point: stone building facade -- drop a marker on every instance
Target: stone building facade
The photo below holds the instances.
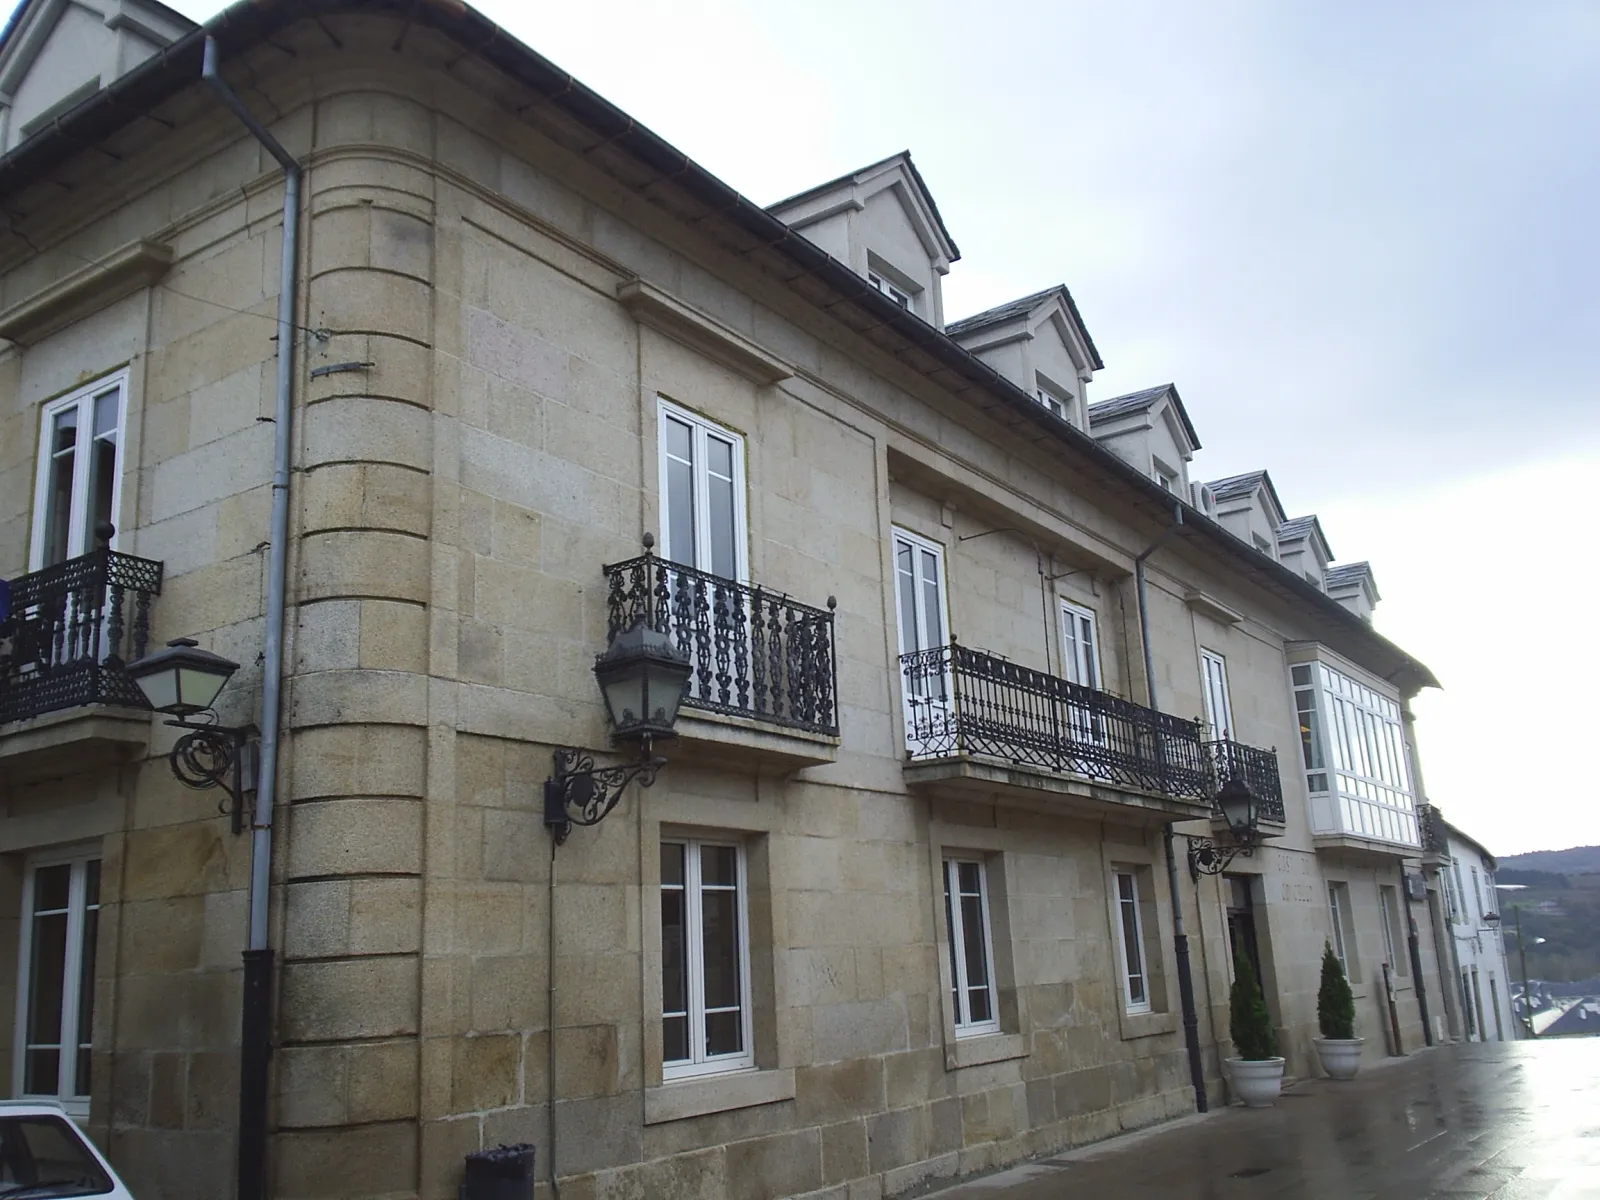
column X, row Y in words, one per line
column 898, row 907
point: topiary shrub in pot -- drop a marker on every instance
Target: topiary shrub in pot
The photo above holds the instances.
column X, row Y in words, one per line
column 1257, row 1071
column 1339, row 1048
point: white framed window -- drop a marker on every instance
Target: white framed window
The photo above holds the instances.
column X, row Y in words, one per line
column 1053, row 403
column 1263, row 545
column 1080, row 645
column 55, row 978
column 1130, row 943
column 79, row 479
column 966, row 913
column 705, row 959
column 1386, row 919
column 1449, row 895
column 703, row 518
column 919, row 591
column 1214, row 684
column 1338, row 914
column 898, row 295
column 1311, row 741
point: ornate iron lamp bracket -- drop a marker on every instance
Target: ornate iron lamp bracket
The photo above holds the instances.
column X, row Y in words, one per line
column 1208, row 857
column 217, row 756
column 581, row 794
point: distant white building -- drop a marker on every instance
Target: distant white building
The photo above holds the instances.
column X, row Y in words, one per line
column 1482, row 977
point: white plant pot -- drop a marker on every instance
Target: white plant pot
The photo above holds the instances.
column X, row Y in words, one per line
column 1256, row 1081
column 1341, row 1057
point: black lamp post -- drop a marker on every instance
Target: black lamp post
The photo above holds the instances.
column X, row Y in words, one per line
column 183, row 681
column 1241, row 812
column 642, row 677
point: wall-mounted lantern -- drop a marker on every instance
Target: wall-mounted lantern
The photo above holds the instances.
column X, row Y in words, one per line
column 1240, row 810
column 183, row 682
column 642, row 677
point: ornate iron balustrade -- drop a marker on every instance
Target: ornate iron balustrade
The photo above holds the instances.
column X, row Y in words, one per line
column 961, row 701
column 1434, row 838
column 71, row 628
column 1256, row 767
column 755, row 653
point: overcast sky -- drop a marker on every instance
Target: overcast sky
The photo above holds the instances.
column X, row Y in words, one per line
column 1360, row 236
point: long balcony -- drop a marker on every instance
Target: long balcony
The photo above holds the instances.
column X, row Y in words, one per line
column 1257, row 768
column 1039, row 732
column 67, row 631
column 764, row 682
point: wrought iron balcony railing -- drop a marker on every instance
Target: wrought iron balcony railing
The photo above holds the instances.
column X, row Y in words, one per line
column 70, row 629
column 1434, row 838
column 961, row 701
column 1257, row 768
column 755, row 653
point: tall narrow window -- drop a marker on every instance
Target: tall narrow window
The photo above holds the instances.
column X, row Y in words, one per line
column 1080, row 646
column 55, row 1021
column 1130, row 941
column 1386, row 911
column 79, row 472
column 919, row 589
column 705, row 959
column 1311, row 751
column 1338, row 908
column 1214, row 680
column 702, row 494
column 966, row 909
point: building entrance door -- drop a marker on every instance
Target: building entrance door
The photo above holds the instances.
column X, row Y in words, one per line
column 1242, row 922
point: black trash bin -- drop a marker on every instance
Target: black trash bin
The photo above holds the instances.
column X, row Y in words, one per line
column 504, row 1173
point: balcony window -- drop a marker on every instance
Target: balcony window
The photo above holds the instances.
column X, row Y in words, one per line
column 79, row 478
column 705, row 959
column 1214, row 690
column 60, row 926
column 966, row 908
column 702, row 493
column 1305, row 702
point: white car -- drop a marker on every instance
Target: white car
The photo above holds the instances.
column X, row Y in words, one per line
column 43, row 1155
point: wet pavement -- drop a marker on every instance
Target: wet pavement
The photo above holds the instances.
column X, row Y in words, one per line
column 1507, row 1120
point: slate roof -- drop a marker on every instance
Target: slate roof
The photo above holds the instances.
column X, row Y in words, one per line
column 1011, row 310
column 1119, row 406
column 1296, row 527
column 1235, row 486
column 916, row 176
column 1349, row 573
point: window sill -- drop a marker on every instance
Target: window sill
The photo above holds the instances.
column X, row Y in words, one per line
column 679, row 1099
column 1147, row 1024
column 984, row 1048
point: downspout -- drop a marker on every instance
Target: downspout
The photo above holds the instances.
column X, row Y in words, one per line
column 255, row 1041
column 1180, row 936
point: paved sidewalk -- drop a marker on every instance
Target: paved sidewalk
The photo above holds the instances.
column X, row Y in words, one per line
column 1500, row 1120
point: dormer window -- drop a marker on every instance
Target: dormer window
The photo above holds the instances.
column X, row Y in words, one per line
column 1051, row 401
column 1167, row 482
column 1263, row 545
column 900, row 297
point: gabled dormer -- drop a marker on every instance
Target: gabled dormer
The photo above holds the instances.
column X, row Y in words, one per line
column 1248, row 507
column 882, row 223
column 1354, row 587
column 1040, row 344
column 58, row 53
column 1152, row 431
column 1303, row 548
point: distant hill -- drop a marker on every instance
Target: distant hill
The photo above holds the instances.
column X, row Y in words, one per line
column 1580, row 860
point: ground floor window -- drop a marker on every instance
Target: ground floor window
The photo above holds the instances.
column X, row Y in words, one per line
column 1130, row 938
column 705, row 959
column 55, row 1016
column 966, row 910
column 1343, row 928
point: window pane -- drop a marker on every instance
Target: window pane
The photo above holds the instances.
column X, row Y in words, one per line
column 85, row 1023
column 931, row 600
column 48, row 966
column 58, row 495
column 724, row 535
column 973, row 933
column 680, row 516
column 674, row 968
column 724, row 1033
column 908, row 599
column 43, row 1073
column 675, row 1039
column 953, row 926
column 721, row 947
column 51, row 887
column 672, row 863
column 102, row 486
column 719, row 866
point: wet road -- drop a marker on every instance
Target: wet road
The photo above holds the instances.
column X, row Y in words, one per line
column 1507, row 1120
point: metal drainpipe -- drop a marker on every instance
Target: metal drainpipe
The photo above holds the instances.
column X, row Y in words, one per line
column 1180, row 936
column 255, row 1041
